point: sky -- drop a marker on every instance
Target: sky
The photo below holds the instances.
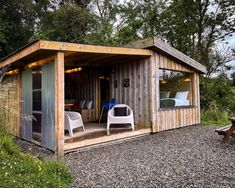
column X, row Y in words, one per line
column 231, row 44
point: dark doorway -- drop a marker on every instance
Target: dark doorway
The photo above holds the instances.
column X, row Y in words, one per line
column 104, row 88
column 104, row 92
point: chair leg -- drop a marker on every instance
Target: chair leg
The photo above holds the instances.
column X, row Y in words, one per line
column 83, row 128
column 71, row 132
column 101, row 114
column 133, row 126
column 108, row 126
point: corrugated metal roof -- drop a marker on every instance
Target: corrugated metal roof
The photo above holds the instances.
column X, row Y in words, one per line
column 19, row 49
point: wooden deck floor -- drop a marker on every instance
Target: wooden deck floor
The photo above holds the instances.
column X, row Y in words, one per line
column 96, row 134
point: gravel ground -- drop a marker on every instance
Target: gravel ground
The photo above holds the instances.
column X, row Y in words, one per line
column 186, row 157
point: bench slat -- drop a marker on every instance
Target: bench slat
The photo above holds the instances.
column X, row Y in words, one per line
column 223, row 130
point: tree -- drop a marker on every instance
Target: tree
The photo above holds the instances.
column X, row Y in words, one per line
column 105, row 14
column 68, row 23
column 194, row 26
column 16, row 24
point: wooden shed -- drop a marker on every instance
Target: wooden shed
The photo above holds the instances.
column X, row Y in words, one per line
column 158, row 82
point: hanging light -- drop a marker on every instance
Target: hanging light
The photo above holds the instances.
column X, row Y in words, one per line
column 12, row 72
column 187, row 80
column 73, row 70
column 163, row 81
column 35, row 64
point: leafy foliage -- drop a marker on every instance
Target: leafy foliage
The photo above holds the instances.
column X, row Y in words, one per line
column 69, row 23
column 214, row 116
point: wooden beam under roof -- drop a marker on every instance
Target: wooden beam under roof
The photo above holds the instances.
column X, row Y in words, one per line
column 64, row 46
column 20, row 54
column 41, row 47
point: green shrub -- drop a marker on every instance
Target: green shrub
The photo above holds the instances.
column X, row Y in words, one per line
column 22, row 170
column 214, row 116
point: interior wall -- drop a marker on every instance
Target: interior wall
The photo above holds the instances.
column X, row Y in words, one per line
column 81, row 86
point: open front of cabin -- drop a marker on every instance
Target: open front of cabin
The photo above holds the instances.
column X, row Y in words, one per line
column 54, row 77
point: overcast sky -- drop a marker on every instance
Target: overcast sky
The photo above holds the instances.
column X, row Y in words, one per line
column 231, row 44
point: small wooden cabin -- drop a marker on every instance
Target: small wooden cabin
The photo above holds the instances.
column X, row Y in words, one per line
column 158, row 82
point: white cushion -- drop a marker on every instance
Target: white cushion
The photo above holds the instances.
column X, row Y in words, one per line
column 164, row 94
column 81, row 104
column 182, row 95
column 88, row 104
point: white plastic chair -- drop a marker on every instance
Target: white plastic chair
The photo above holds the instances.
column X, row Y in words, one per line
column 72, row 120
column 129, row 119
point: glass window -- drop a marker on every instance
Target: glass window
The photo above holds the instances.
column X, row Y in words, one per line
column 37, row 89
column 175, row 88
column 37, row 103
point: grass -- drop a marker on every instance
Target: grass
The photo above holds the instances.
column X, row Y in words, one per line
column 23, row 170
column 214, row 117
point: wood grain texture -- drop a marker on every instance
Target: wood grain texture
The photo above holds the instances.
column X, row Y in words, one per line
column 170, row 64
column 59, row 103
column 20, row 54
column 105, row 139
column 19, row 123
column 154, row 95
column 137, row 94
column 175, row 118
column 162, row 47
column 180, row 117
column 74, row 47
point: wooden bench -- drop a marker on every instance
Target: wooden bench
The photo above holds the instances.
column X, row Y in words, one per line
column 227, row 131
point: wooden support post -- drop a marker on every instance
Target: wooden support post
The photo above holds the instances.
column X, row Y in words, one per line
column 196, row 95
column 59, row 103
column 19, row 123
column 154, row 93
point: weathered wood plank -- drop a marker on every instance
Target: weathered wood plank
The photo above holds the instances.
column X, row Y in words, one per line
column 73, row 47
column 21, row 54
column 105, row 139
column 59, row 102
column 154, row 96
column 19, row 124
column 160, row 46
column 137, row 94
column 175, row 118
column 166, row 48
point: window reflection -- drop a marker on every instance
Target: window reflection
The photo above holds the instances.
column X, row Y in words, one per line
column 175, row 88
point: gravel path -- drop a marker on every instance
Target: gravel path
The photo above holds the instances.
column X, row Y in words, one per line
column 186, row 157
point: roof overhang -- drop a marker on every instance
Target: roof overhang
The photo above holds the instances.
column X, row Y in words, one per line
column 159, row 46
column 43, row 49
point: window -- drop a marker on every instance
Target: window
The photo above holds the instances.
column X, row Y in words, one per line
column 175, row 88
column 37, row 103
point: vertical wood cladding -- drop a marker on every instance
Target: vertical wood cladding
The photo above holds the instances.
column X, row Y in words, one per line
column 137, row 94
column 179, row 117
